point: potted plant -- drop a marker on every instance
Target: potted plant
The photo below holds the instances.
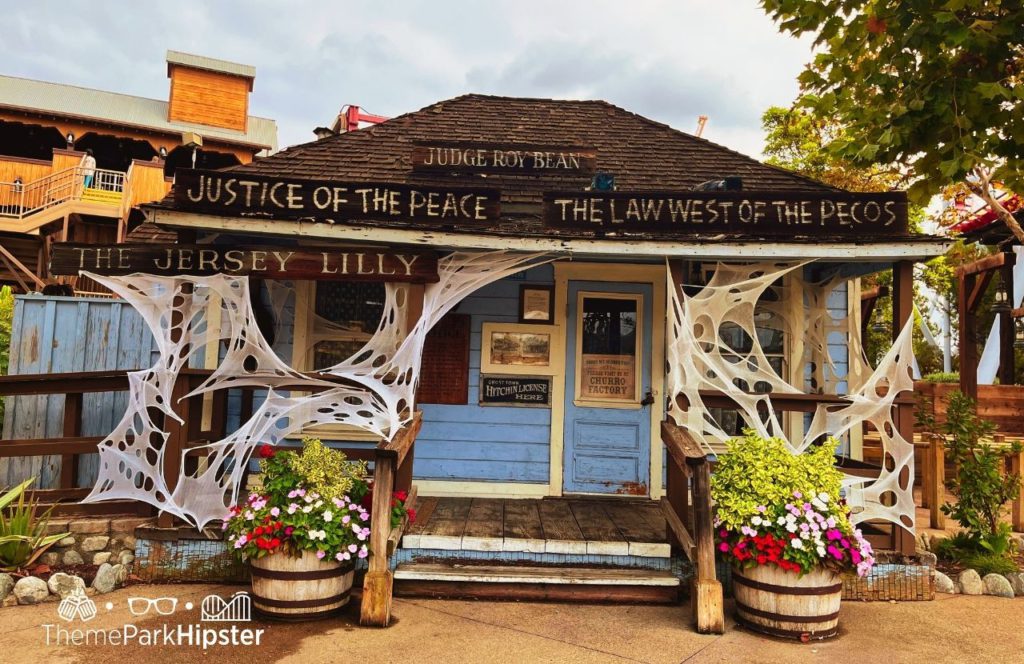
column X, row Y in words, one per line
column 781, row 522
column 303, row 531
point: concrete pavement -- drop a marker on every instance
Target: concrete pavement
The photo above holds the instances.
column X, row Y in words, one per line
column 951, row 629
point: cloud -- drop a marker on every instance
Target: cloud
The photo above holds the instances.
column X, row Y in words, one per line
column 670, row 61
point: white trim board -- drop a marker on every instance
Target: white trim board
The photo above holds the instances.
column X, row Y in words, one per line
column 719, row 250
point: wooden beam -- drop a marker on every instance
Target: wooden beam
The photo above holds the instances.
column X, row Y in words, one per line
column 1007, row 359
column 981, row 283
column 378, row 584
column 681, row 445
column 679, row 530
column 968, row 339
column 72, row 429
column 399, row 446
column 706, row 597
column 47, row 446
column 903, row 313
column 987, row 264
column 936, row 486
column 21, row 266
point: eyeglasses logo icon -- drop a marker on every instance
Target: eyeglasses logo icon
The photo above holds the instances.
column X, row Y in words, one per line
column 140, row 606
column 77, row 604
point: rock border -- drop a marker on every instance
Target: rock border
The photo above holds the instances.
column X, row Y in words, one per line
column 30, row 590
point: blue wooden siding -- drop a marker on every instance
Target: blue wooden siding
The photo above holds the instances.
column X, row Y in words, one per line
column 487, row 443
column 62, row 334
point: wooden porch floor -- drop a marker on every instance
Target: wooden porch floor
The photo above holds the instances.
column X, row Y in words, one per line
column 614, row 526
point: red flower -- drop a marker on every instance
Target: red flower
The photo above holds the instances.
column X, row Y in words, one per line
column 401, row 495
column 258, row 530
column 412, row 515
column 274, row 543
column 266, row 451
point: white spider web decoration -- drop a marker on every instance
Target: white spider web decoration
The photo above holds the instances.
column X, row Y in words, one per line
column 378, row 396
column 698, row 359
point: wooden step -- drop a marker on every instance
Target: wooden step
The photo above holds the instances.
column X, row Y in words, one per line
column 607, row 576
column 563, row 584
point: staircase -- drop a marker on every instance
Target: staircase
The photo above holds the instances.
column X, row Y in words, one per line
column 550, row 549
column 25, row 207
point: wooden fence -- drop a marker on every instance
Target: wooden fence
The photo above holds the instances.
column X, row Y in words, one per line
column 53, row 335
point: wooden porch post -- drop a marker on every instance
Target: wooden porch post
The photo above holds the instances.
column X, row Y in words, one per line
column 393, row 462
column 902, row 312
column 707, row 601
column 1007, row 370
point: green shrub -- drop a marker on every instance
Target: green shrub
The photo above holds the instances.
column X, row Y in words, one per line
column 23, row 535
column 942, row 377
column 988, row 563
column 756, row 471
column 981, row 488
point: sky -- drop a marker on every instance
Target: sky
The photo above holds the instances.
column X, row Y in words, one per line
column 670, row 61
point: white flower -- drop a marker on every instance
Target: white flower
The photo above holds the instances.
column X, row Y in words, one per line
column 821, row 550
column 756, row 520
column 796, row 543
column 318, row 535
column 307, row 509
column 818, row 504
column 823, row 497
column 328, row 515
column 789, row 519
column 791, row 527
column 781, row 520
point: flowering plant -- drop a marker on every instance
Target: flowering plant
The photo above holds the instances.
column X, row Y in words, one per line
column 773, row 507
column 310, row 501
column 399, row 507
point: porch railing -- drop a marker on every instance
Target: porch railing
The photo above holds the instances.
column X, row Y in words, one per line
column 690, row 524
column 19, row 200
column 392, row 460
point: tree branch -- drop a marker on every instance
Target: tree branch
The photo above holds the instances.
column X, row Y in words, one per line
column 983, row 191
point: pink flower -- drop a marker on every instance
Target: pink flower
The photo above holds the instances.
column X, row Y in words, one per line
column 353, row 548
column 363, row 552
column 275, row 512
column 723, row 547
column 320, row 555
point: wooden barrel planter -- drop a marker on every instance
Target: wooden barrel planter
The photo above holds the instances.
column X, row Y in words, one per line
column 299, row 588
column 786, row 605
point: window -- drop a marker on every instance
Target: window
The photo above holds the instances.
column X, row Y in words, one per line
column 607, row 349
column 333, row 320
column 347, row 316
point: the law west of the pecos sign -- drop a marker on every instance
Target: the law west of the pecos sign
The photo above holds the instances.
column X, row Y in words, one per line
column 741, row 212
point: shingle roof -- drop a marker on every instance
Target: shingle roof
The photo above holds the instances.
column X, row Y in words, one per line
column 641, row 153
column 212, row 64
column 30, row 96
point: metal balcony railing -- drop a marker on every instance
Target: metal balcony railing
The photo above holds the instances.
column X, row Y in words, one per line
column 19, row 200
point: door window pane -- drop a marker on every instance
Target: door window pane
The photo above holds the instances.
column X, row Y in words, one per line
column 608, row 349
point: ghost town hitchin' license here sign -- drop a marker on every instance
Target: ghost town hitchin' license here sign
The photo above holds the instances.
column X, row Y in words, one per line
column 748, row 213
column 344, row 264
column 242, row 194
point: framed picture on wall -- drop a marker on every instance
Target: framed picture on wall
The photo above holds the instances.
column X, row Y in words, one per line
column 536, row 303
column 517, row 348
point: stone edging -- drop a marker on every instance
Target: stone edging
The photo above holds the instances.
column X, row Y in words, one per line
column 33, row 590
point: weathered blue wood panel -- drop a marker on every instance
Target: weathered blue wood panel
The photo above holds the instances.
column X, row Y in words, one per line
column 62, row 334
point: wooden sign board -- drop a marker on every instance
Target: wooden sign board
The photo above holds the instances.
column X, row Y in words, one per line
column 465, row 157
column 739, row 212
column 607, row 377
column 529, row 391
column 444, row 371
column 319, row 264
column 238, row 194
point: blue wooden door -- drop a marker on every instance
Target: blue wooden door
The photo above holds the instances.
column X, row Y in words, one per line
column 607, row 439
